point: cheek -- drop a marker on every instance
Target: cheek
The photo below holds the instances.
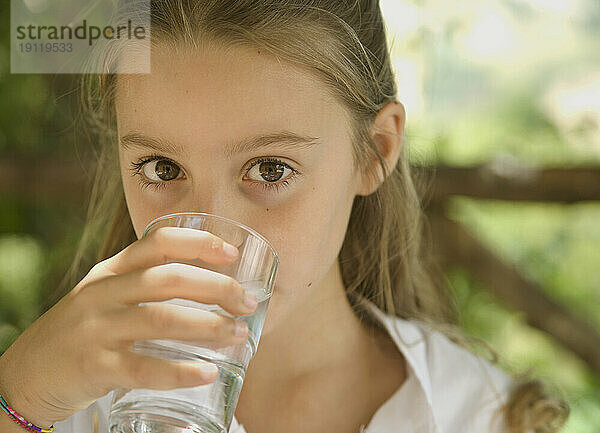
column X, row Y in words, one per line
column 138, row 208
column 133, row 199
column 141, row 209
column 144, row 204
column 308, row 235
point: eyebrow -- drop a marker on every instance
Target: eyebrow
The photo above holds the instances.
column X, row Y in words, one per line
column 286, row 140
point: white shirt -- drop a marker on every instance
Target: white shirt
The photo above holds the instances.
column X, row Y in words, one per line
column 447, row 390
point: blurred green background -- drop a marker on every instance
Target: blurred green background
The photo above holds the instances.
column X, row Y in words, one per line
column 514, row 82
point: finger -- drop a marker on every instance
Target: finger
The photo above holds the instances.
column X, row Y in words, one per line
column 177, row 280
column 170, row 243
column 135, row 370
column 176, row 322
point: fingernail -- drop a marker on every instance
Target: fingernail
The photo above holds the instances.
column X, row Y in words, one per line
column 241, row 328
column 250, row 300
column 230, row 250
column 209, row 369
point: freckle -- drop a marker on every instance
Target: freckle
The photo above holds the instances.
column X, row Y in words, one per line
column 267, row 209
column 309, row 284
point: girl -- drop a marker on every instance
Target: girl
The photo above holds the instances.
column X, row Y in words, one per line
column 281, row 114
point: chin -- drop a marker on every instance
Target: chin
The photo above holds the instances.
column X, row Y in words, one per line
column 274, row 311
column 271, row 313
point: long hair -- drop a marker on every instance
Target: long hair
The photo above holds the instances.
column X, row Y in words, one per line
column 385, row 256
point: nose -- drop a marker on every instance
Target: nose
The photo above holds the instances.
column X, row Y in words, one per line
column 217, row 200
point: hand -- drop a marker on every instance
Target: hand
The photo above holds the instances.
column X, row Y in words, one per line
column 82, row 348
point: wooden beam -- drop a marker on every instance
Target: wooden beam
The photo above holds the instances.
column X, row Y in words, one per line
column 43, row 181
column 567, row 185
column 458, row 247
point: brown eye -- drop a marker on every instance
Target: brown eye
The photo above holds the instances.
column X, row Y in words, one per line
column 161, row 170
column 166, row 170
column 271, row 171
column 268, row 170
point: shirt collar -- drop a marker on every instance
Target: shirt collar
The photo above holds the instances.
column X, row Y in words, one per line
column 411, row 342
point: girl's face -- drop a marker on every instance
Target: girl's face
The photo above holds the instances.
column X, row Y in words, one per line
column 191, row 131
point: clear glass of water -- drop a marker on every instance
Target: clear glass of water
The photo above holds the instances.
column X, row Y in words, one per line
column 207, row 408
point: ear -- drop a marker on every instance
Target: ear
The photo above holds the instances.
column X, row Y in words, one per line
column 390, row 119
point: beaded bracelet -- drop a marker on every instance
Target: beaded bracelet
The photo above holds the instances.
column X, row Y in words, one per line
column 20, row 420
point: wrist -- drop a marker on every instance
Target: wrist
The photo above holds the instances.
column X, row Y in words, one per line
column 18, row 401
column 20, row 411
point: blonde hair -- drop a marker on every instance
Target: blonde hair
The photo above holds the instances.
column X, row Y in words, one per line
column 385, row 254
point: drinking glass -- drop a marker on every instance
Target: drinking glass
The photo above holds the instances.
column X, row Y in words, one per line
column 206, row 408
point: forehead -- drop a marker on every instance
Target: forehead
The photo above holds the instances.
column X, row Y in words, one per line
column 218, row 95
